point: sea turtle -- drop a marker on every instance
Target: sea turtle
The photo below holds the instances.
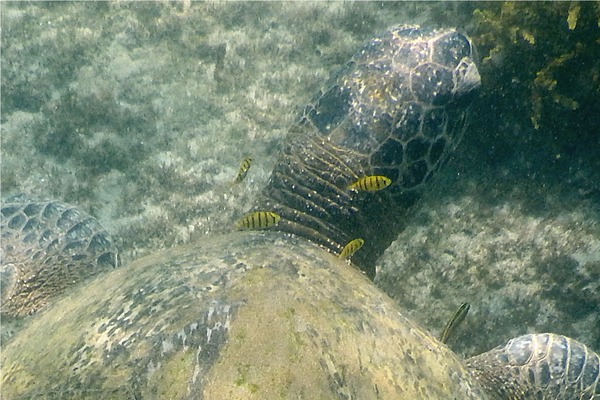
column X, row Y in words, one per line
column 276, row 313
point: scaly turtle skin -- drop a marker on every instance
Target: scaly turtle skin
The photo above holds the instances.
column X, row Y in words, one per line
column 271, row 315
column 47, row 247
column 542, row 366
column 397, row 109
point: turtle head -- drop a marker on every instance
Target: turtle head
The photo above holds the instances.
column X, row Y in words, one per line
column 392, row 114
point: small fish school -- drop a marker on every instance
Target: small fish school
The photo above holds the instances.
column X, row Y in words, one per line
column 243, row 171
column 352, row 247
column 259, row 220
column 458, row 317
column 266, row 219
column 371, row 183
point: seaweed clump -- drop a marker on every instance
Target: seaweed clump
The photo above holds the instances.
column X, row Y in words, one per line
column 543, row 59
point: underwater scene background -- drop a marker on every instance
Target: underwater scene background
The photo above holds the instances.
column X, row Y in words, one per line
column 141, row 113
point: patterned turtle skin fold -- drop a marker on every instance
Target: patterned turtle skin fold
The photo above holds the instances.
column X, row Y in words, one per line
column 397, row 109
column 539, row 366
column 47, row 246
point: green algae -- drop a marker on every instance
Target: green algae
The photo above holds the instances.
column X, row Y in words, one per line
column 543, row 59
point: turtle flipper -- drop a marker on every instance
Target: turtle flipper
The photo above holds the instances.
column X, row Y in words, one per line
column 47, row 246
column 539, row 366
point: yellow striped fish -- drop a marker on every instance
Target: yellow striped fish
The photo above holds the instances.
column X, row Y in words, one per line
column 351, row 248
column 259, row 220
column 244, row 167
column 371, row 183
column 457, row 318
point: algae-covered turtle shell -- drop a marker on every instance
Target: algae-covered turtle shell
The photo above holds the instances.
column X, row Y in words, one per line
column 248, row 315
column 263, row 316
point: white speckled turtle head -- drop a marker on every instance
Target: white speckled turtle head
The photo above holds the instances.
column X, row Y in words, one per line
column 397, row 109
column 396, row 102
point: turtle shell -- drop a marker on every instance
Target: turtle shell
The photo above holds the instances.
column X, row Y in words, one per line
column 241, row 316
